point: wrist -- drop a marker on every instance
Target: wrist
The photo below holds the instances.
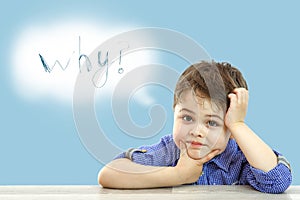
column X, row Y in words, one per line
column 234, row 127
column 186, row 177
column 179, row 178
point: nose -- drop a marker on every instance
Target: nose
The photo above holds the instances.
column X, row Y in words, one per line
column 199, row 130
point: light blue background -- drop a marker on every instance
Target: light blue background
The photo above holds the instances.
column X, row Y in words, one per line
column 39, row 143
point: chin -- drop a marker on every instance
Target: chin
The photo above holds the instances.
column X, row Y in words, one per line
column 197, row 153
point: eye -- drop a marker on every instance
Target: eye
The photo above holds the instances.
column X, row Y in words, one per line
column 212, row 123
column 187, row 118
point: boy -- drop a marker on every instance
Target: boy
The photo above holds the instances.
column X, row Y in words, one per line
column 211, row 143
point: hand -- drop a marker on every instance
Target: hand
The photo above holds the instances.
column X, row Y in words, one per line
column 189, row 169
column 238, row 107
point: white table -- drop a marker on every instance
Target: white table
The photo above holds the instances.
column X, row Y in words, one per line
column 88, row 192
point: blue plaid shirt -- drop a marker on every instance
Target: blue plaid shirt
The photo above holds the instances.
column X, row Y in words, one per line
column 229, row 168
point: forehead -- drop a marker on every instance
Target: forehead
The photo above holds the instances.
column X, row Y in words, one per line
column 189, row 99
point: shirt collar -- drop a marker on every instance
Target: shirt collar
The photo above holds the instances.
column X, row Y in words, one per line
column 224, row 159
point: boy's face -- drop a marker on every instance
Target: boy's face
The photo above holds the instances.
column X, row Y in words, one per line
column 200, row 125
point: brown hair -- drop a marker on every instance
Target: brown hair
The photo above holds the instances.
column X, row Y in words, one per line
column 211, row 80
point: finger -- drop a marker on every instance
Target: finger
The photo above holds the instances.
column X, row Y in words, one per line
column 235, row 90
column 239, row 98
column 246, row 97
column 241, row 94
column 182, row 147
column 233, row 99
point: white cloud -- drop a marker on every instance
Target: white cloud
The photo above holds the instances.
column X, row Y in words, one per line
column 60, row 41
column 130, row 62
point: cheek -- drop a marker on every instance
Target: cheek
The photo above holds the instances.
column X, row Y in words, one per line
column 179, row 133
column 218, row 141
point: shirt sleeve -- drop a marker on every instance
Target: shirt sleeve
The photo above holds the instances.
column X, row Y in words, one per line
column 277, row 180
column 164, row 153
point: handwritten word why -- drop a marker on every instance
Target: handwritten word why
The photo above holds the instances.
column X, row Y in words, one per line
column 88, row 63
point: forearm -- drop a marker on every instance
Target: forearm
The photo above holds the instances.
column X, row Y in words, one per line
column 123, row 173
column 257, row 152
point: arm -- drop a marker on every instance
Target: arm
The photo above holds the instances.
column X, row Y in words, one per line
column 123, row 173
column 267, row 175
column 257, row 152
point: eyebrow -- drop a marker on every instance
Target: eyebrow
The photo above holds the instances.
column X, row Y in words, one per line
column 190, row 111
column 217, row 116
column 187, row 110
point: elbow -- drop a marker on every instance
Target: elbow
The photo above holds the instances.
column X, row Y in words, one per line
column 104, row 178
column 278, row 186
column 282, row 187
column 111, row 176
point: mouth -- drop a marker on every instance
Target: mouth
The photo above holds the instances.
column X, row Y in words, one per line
column 195, row 144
